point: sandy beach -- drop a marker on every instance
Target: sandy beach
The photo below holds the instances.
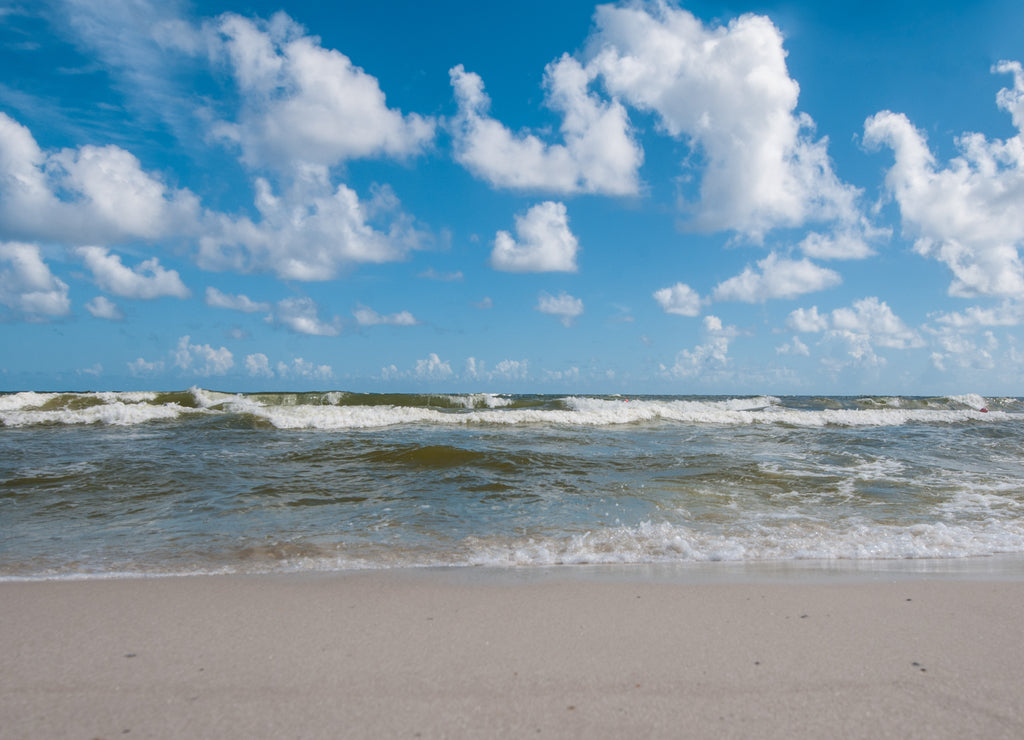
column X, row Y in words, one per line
column 436, row 654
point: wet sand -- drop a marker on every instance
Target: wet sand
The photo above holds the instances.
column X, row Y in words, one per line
column 432, row 654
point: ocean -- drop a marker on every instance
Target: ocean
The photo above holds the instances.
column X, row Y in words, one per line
column 151, row 483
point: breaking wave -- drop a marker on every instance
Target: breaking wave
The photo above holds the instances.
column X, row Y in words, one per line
column 338, row 410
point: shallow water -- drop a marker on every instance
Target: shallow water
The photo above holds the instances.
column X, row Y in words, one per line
column 197, row 481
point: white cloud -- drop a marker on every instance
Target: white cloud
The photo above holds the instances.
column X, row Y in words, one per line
column 310, row 232
column 848, row 244
column 368, row 317
column 569, row 375
column 778, row 278
column 970, row 214
column 726, row 89
column 258, row 366
column 143, row 367
column 90, row 194
column 874, row 318
column 599, row 154
column 202, row 359
column 301, row 368
column 484, row 304
column 545, row 243
column 301, row 315
column 807, row 320
column 146, row 280
column 103, row 308
column 857, row 330
column 563, row 305
column 1009, row 313
column 432, row 368
column 511, row 370
column 27, row 286
column 679, row 299
column 504, row 370
column 855, row 350
column 965, row 352
column 302, row 103
column 711, row 356
column 299, row 110
column 793, row 347
column 217, row 299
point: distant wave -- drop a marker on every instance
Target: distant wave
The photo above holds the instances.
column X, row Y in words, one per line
column 339, row 410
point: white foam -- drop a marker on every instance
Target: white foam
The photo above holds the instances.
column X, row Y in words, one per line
column 210, row 399
column 478, row 400
column 25, row 399
column 116, row 413
column 796, row 540
column 126, row 396
column 286, row 412
column 972, row 400
column 337, row 417
column 585, row 411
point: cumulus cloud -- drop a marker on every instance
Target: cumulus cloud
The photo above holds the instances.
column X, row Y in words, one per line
column 845, row 244
column 89, row 194
column 301, row 315
column 218, row 299
column 140, row 367
column 569, row 375
column 807, row 320
column 562, row 305
column 728, row 91
column 969, row 214
column 873, row 317
column 432, row 367
column 300, row 368
column 511, row 370
column 368, row 317
column 302, row 103
column 309, row 232
column 102, row 307
column 599, row 155
column 778, row 278
column 258, row 365
column 298, row 110
column 679, row 299
column 505, row 370
column 1009, row 313
column 712, row 356
column 27, row 286
column 857, row 329
column 147, row 280
column 202, row 359
column 793, row 347
column 957, row 350
column 545, row 243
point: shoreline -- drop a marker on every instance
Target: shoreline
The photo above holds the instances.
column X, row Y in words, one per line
column 998, row 567
column 440, row 653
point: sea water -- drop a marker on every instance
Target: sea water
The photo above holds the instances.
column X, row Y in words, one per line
column 106, row 484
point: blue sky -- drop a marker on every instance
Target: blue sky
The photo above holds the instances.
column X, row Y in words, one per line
column 785, row 198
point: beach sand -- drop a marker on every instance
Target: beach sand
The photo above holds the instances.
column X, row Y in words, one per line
column 435, row 654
